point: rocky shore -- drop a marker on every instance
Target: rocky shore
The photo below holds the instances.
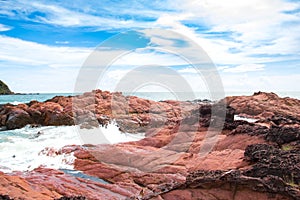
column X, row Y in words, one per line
column 192, row 150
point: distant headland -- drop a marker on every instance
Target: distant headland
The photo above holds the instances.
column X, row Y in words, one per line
column 4, row 89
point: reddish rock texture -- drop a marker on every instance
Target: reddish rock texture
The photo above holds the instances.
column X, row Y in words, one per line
column 17, row 187
column 94, row 108
column 264, row 105
column 53, row 184
column 184, row 155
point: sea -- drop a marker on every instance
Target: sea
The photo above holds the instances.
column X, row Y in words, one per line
column 156, row 96
column 31, row 147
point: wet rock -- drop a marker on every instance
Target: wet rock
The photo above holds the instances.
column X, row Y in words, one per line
column 17, row 119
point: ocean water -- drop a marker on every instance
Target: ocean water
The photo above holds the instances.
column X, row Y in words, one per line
column 26, row 98
column 156, row 96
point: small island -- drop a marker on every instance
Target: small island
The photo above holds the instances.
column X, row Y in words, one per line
column 4, row 90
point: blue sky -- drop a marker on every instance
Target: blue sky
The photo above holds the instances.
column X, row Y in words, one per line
column 254, row 44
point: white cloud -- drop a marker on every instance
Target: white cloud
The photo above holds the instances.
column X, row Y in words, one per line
column 116, row 74
column 251, row 27
column 257, row 27
column 23, row 52
column 62, row 42
column 188, row 70
column 244, row 68
column 64, row 16
column 229, row 15
column 145, row 57
column 260, row 82
column 33, row 67
column 4, row 28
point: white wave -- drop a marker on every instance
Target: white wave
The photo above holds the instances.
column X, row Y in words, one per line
column 107, row 135
column 251, row 120
column 15, row 102
column 24, row 149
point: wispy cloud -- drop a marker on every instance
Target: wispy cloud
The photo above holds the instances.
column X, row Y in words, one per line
column 62, row 42
column 188, row 70
column 243, row 68
column 253, row 27
column 55, row 14
column 4, row 28
column 22, row 52
column 64, row 17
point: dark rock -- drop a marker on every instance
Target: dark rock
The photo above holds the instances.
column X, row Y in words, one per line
column 270, row 160
column 281, row 120
column 283, row 135
column 217, row 179
column 5, row 197
column 4, row 89
column 17, row 119
column 72, row 198
column 279, row 135
column 243, row 127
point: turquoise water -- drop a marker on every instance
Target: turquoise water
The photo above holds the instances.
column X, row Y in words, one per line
column 22, row 98
column 156, row 96
column 79, row 174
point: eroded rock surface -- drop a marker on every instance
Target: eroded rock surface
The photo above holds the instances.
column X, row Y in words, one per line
column 96, row 108
column 264, row 105
column 184, row 155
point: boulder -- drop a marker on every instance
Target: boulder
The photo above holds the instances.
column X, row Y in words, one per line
column 18, row 118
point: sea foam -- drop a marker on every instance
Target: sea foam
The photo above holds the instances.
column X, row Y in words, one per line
column 28, row 148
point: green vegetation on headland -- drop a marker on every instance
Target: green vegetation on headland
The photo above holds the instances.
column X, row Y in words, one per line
column 4, row 89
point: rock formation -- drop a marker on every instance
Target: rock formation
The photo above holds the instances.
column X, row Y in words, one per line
column 95, row 108
column 265, row 106
column 184, row 155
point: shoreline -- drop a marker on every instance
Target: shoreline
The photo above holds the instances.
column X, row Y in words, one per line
column 61, row 109
column 156, row 96
column 169, row 163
